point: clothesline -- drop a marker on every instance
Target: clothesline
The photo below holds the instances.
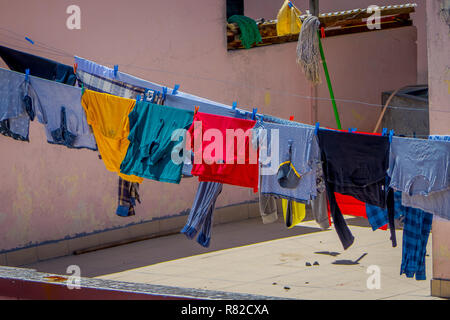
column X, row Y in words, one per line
column 149, row 125
column 60, row 52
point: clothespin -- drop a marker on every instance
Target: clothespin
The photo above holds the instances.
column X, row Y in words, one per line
column 290, row 5
column 175, row 89
column 322, row 32
column 196, row 109
column 291, row 118
column 82, row 88
column 351, row 130
column 116, row 69
column 138, row 98
column 27, row 75
column 316, row 131
column 29, row 40
column 254, row 113
column 75, row 67
column 391, row 134
column 164, row 92
column 384, row 132
column 234, row 105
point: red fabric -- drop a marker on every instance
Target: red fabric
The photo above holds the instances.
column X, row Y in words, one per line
column 348, row 204
column 207, row 168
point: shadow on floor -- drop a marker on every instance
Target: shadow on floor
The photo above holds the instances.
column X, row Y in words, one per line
column 162, row 249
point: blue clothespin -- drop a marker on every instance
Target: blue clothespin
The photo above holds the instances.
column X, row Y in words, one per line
column 175, row 89
column 384, row 132
column 316, row 131
column 116, row 69
column 164, row 92
column 254, row 113
column 138, row 98
column 29, row 40
column 391, row 134
column 234, row 105
column 27, row 75
column 290, row 4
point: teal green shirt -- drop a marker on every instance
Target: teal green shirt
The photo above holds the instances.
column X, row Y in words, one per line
column 149, row 153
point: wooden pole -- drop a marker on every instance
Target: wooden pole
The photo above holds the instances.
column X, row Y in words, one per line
column 314, row 7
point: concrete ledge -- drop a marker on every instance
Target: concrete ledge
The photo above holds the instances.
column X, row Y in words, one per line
column 440, row 288
column 18, row 283
column 120, row 236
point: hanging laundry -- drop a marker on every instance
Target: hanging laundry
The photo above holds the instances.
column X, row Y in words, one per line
column 295, row 177
column 420, row 169
column 108, row 117
column 234, row 161
column 348, row 204
column 319, row 205
column 201, row 214
column 288, row 19
column 102, row 79
column 150, row 152
column 39, row 66
column 356, row 165
column 16, row 107
column 128, row 194
column 293, row 212
column 379, row 217
column 416, row 230
column 249, row 30
column 65, row 118
column 268, row 208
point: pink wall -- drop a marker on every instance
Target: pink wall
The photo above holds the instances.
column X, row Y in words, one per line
column 439, row 81
column 49, row 192
column 268, row 9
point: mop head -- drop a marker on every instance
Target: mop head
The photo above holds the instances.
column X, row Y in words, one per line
column 308, row 54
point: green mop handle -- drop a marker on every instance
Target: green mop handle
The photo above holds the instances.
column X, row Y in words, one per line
column 330, row 88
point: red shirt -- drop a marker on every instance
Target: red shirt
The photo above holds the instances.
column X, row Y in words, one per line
column 221, row 158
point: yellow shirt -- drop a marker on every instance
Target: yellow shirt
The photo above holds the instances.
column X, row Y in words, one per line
column 296, row 213
column 108, row 117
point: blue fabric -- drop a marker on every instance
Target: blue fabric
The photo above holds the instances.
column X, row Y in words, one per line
column 378, row 217
column 18, row 101
column 437, row 203
column 39, row 66
column 416, row 230
column 65, row 120
column 201, row 214
column 305, row 157
column 419, row 167
column 149, row 154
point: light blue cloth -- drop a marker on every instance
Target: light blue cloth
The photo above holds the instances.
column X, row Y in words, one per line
column 437, row 203
column 55, row 97
column 419, row 167
column 13, row 89
column 305, row 158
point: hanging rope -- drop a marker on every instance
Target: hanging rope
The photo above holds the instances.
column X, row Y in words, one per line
column 308, row 53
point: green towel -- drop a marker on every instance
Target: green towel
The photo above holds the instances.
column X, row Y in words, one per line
column 249, row 30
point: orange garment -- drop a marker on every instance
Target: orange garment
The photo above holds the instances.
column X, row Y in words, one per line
column 108, row 117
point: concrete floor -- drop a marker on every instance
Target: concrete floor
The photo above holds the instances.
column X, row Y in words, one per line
column 249, row 257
